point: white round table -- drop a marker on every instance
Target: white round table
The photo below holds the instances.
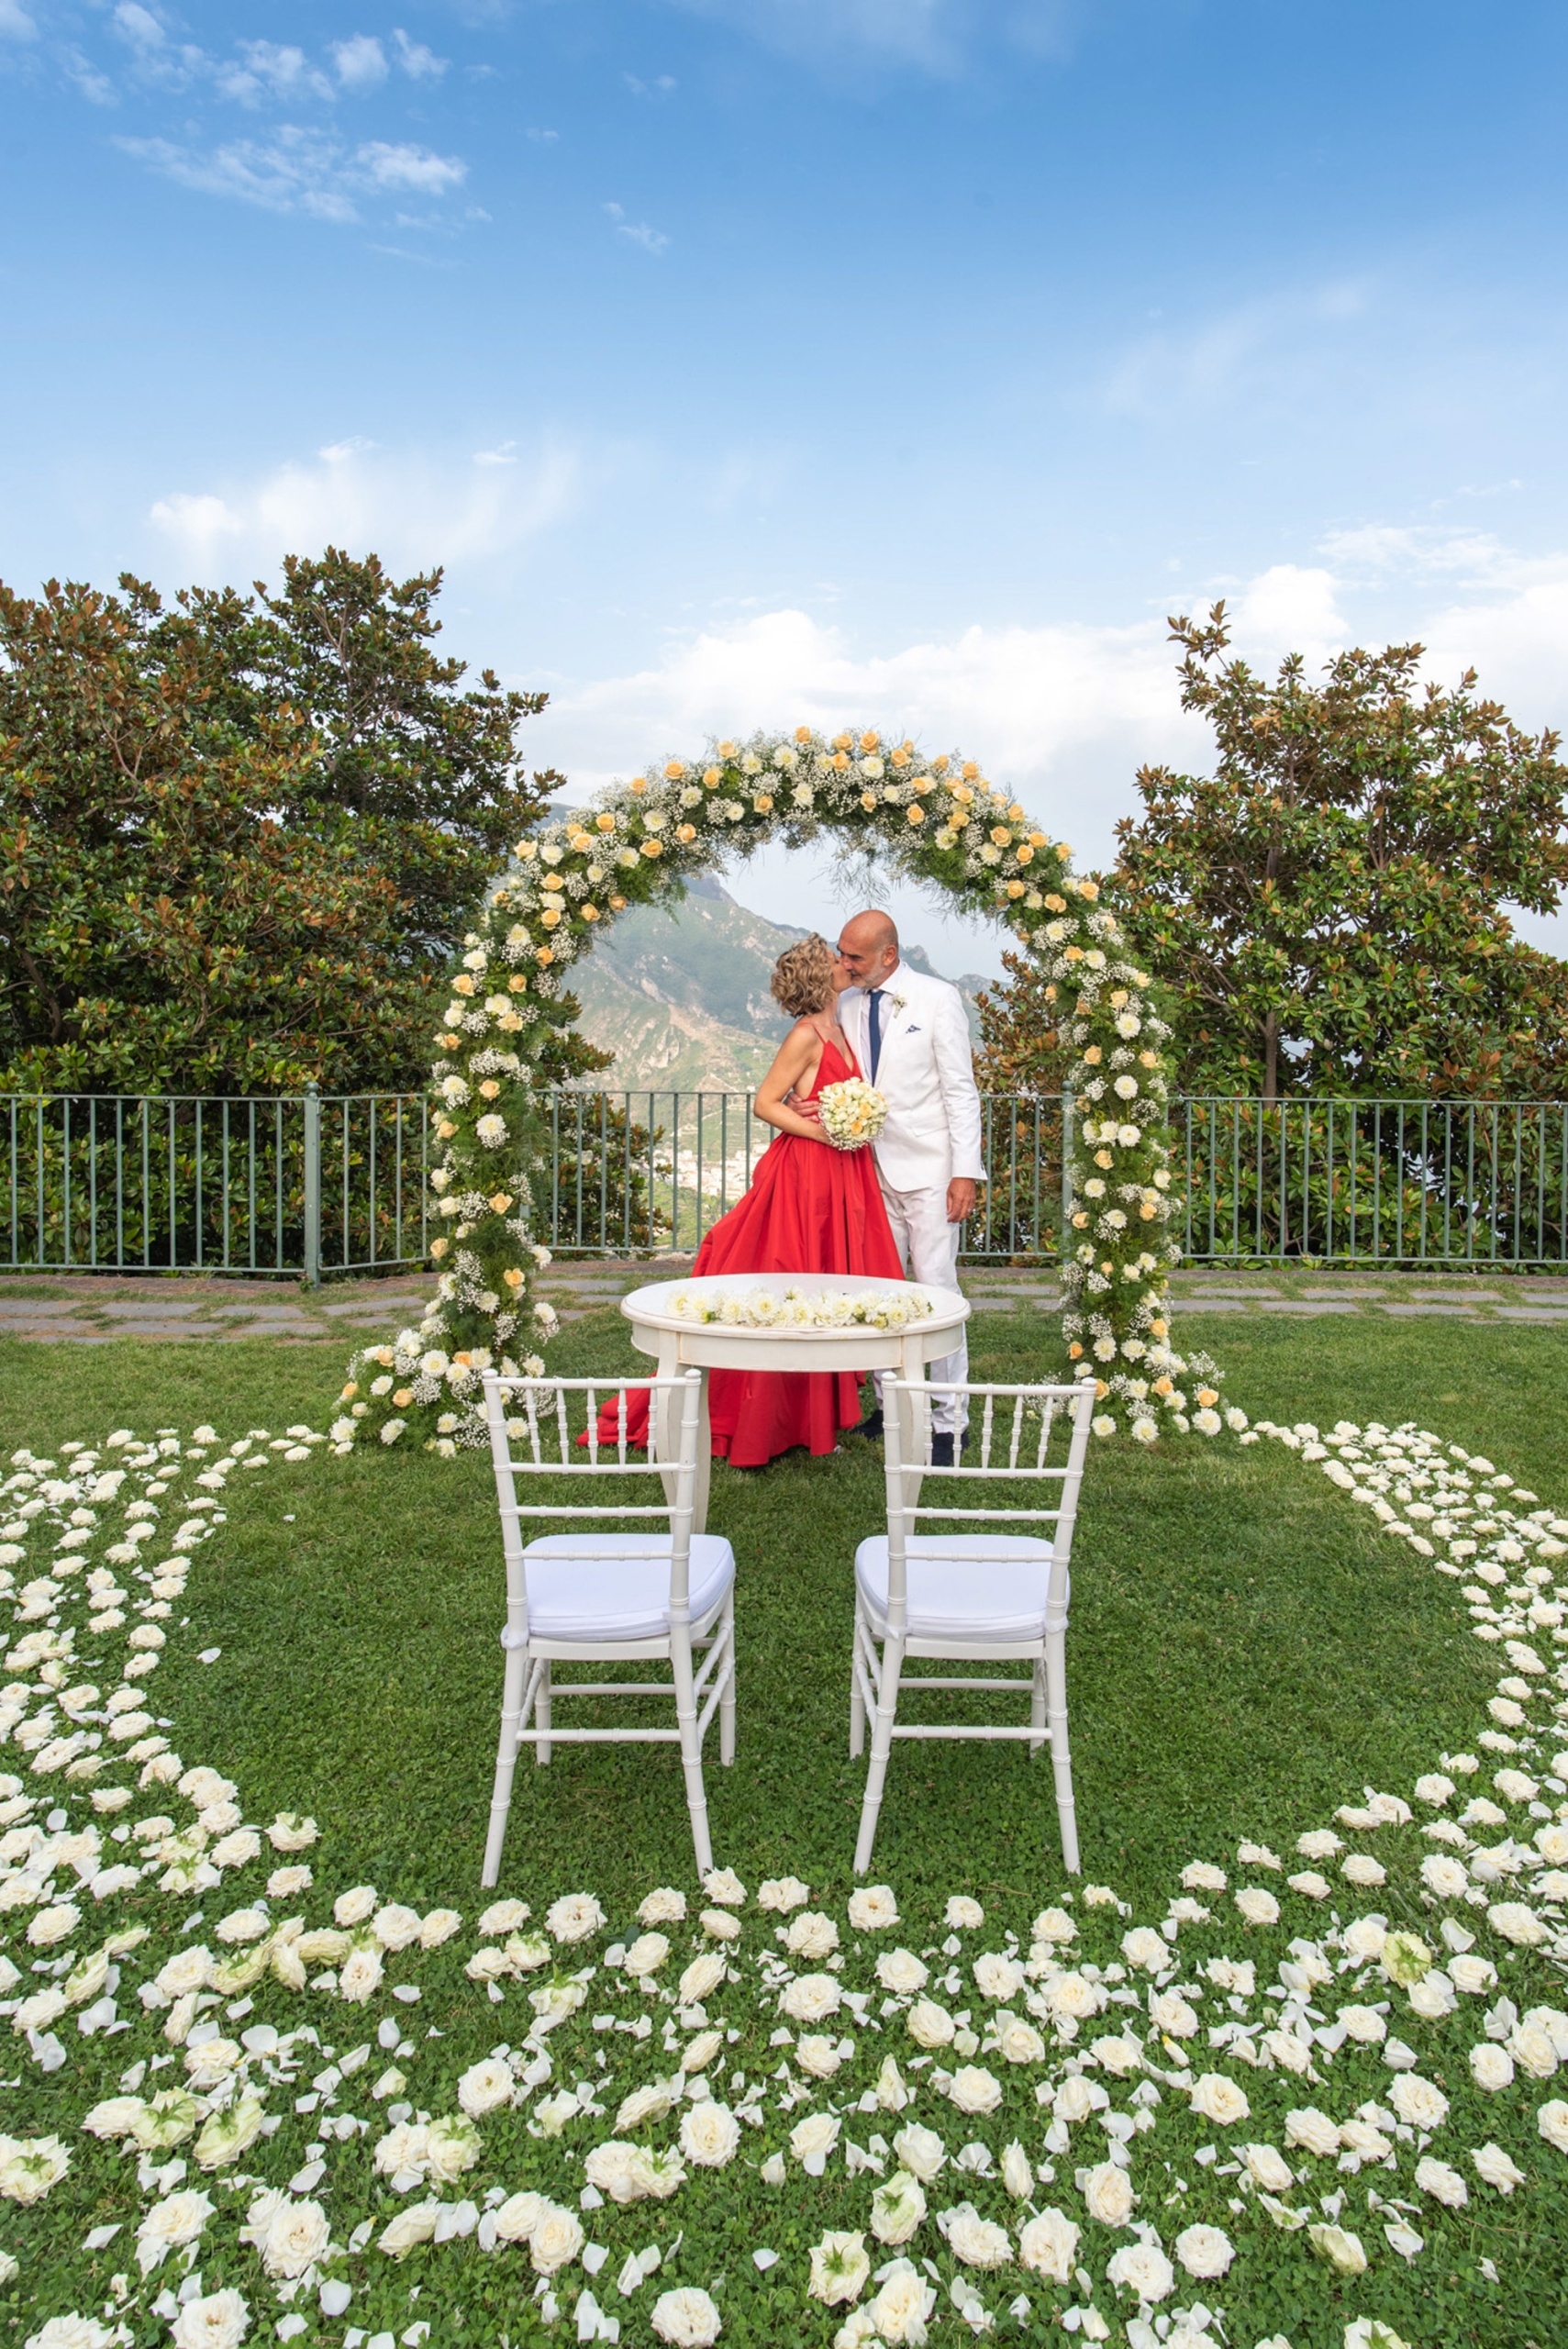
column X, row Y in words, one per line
column 678, row 1343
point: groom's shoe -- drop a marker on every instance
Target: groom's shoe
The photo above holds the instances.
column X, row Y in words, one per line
column 871, row 1424
column 942, row 1449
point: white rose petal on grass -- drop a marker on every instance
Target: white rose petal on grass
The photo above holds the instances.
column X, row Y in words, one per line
column 1205, row 2252
column 1143, row 2269
column 1495, row 2167
column 839, row 2268
column 1107, row 2195
column 686, row 2318
column 1217, row 2099
column 1443, row 2184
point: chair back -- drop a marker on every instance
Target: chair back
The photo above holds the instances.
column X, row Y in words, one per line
column 1013, row 1432
column 536, row 1425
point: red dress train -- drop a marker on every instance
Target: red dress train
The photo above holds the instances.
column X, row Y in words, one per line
column 811, row 1208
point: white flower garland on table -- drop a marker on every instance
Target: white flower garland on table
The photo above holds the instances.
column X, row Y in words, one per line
column 760, row 1309
column 989, row 2101
column 936, row 820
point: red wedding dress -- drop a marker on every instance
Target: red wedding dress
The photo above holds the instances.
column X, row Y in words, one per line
column 811, row 1208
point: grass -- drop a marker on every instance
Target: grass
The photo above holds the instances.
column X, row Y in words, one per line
column 1244, row 1650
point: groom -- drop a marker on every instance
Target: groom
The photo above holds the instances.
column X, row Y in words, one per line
column 911, row 1038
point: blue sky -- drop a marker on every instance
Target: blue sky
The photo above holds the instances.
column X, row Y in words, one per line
column 752, row 360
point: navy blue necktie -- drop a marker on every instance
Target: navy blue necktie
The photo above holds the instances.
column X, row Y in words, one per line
column 875, row 1030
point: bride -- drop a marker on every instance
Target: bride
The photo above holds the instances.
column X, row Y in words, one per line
column 811, row 1208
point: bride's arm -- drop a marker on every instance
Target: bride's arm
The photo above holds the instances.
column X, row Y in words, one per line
column 798, row 1052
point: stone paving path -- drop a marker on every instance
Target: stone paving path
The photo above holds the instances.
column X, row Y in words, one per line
column 96, row 1310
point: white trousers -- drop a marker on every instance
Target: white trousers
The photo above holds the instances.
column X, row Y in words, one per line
column 927, row 1248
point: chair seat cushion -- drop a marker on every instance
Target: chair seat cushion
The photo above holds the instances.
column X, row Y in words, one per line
column 577, row 1592
column 981, row 1586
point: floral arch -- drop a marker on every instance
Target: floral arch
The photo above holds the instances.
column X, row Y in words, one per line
column 934, row 820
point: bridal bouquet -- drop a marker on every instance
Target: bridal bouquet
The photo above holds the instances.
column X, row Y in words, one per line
column 853, row 1113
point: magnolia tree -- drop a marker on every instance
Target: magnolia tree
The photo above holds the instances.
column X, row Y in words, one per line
column 934, row 820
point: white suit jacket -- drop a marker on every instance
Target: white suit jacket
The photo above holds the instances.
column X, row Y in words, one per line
column 926, row 1074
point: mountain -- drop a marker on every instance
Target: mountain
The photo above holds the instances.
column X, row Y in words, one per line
column 681, row 998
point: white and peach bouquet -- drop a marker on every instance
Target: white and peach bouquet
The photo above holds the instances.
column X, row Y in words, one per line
column 853, row 1113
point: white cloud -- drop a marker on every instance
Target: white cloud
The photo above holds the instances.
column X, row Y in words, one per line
column 272, row 70
column 81, row 71
column 418, row 62
column 926, row 33
column 1288, row 608
column 637, row 233
column 360, row 62
column 414, row 510
column 14, row 22
column 298, row 170
column 138, row 26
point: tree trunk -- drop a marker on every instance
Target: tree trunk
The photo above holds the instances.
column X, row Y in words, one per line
column 1271, row 1056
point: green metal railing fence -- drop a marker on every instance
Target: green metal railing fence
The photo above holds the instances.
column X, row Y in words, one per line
column 309, row 1185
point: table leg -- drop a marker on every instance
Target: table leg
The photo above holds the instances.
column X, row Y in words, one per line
column 665, row 1425
column 705, row 1463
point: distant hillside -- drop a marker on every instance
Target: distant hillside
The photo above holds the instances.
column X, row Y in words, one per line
column 682, row 998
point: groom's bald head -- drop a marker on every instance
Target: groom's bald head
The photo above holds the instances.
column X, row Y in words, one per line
column 868, row 947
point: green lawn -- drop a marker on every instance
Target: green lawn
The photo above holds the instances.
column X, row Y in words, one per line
column 1246, row 1654
column 1244, row 1650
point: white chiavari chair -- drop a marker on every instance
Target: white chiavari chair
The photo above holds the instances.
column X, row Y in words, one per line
column 987, row 1595
column 607, row 1598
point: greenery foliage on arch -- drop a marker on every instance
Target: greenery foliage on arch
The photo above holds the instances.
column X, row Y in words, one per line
column 934, row 820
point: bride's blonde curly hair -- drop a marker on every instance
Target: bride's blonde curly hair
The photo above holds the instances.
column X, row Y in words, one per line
column 803, row 977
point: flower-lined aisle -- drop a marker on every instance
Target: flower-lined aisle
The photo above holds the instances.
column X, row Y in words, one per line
column 1312, row 2097
column 934, row 820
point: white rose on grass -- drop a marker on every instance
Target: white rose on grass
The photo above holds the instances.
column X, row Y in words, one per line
column 811, row 1935
column 686, row 2318
column 1018, row 2172
column 873, row 1909
column 1517, row 1923
column 1077, row 2097
column 701, row 2051
column 1313, row 2130
column 1345, row 2252
column 355, row 1906
column 30, row 2166
column 212, row 2321
column 810, row 1997
column 929, row 2025
column 1053, row 1925
column 1416, row 2101
column 451, row 2146
column 1491, row 2067
column 725, row 1886
column 1074, row 1995
column 396, row 1926
column 1141, row 2268
column 1363, row 2024
column 116, row 2116
column 169, row 2224
column 1257, row 1905
column 974, row 2090
column 650, row 2102
column 440, row 1925
column 1218, row 2100
column 360, row 1976
column 1432, row 1996
column 1532, row 2049
column 1205, row 2252
column 298, row 2236
column 555, row 2239
column 710, row 2134
column 574, row 1919
column 416, row 2226
column 782, row 1893
column 552, row 2112
column 817, row 2054
column 1496, row 2168
column 290, row 1832
column 503, row 1917
column 998, row 1978
column 1116, row 2055
column 1018, row 2042
column 961, row 1914
column 1049, row 2246
column 1267, row 2167
column 814, row 2137
column 839, row 2268
column 519, row 2215
column 1552, row 2121
column 900, row 1971
column 1170, row 2013
column 704, row 1974
column 646, row 1955
column 1107, row 2195
column 664, row 1907
column 484, row 2087
column 1144, row 1948
column 978, row 2242
column 897, row 2208
column 1443, row 2184
column 921, row 2152
column 903, row 2307
column 1444, row 1877
column 71, row 2331
column 720, row 1925
column 1471, row 1973
column 227, row 2134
